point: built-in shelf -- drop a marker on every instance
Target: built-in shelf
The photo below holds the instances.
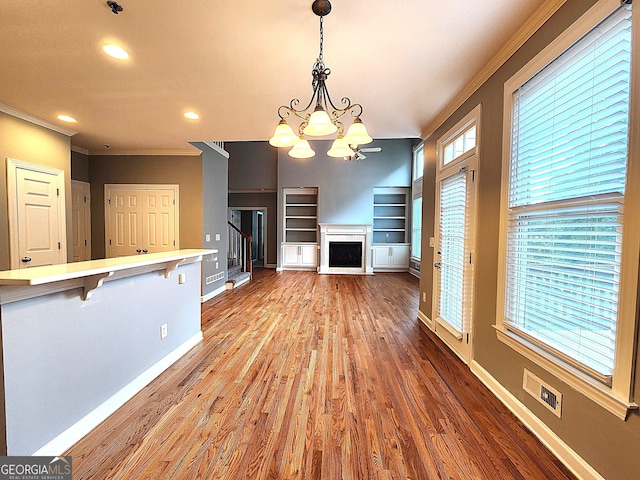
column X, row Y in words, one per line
column 390, row 215
column 300, row 215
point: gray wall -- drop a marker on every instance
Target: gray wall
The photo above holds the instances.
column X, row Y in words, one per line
column 345, row 188
column 604, row 441
column 252, row 166
column 214, row 186
column 79, row 166
column 64, row 357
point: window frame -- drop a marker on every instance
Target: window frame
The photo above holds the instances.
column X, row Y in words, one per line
column 617, row 398
column 416, row 192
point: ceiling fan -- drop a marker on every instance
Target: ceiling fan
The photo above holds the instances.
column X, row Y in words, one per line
column 359, row 153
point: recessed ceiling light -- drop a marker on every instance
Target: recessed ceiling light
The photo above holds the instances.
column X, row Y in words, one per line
column 191, row 115
column 67, row 118
column 115, row 51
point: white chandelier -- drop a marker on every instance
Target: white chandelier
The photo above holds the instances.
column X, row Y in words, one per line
column 325, row 119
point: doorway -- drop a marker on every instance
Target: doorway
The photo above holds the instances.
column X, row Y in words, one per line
column 37, row 224
column 252, row 221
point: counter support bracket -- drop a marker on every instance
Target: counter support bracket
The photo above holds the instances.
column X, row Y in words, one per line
column 171, row 266
column 93, row 282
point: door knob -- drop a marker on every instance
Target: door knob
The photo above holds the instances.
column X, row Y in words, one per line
column 26, row 259
column 138, row 250
column 144, row 250
column 437, row 265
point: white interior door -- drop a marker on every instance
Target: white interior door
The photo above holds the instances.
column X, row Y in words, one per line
column 453, row 268
column 140, row 219
column 158, row 216
column 36, row 215
column 81, row 220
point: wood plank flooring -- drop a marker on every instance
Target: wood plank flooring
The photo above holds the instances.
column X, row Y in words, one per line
column 312, row 376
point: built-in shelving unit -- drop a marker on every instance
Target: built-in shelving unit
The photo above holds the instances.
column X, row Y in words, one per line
column 390, row 215
column 300, row 215
column 390, row 229
column 300, row 236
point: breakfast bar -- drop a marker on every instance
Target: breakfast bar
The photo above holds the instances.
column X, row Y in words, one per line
column 80, row 339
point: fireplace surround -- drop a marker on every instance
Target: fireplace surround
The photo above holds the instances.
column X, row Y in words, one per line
column 353, row 240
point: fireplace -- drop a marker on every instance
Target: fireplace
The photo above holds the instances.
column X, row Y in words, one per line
column 345, row 254
column 345, row 249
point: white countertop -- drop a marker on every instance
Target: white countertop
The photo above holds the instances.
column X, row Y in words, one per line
column 67, row 271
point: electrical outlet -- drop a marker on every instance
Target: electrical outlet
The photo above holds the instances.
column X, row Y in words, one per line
column 217, row 237
column 207, row 238
column 163, row 331
column 182, row 277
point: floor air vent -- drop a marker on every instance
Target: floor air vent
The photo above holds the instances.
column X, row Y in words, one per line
column 546, row 395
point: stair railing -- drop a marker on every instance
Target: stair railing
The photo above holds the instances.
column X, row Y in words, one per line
column 240, row 249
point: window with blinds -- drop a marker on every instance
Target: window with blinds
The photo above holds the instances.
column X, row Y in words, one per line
column 452, row 249
column 565, row 199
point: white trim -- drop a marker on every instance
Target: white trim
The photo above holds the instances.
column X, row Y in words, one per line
column 597, row 392
column 75, row 148
column 574, row 462
column 616, row 399
column 214, row 146
column 470, row 160
column 214, row 293
column 75, row 432
column 41, row 122
column 426, row 320
column 146, row 153
column 526, row 31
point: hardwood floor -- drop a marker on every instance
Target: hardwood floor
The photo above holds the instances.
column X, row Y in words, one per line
column 315, row 376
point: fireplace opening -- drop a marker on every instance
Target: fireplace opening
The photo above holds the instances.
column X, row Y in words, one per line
column 345, row 254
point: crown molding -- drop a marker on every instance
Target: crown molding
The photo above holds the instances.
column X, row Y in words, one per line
column 190, row 153
column 525, row 32
column 14, row 112
column 75, row 148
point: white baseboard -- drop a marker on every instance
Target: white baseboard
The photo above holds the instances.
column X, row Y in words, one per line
column 426, row 320
column 75, row 432
column 214, row 293
column 558, row 447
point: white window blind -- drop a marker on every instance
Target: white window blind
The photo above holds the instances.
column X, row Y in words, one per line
column 566, row 192
column 453, row 258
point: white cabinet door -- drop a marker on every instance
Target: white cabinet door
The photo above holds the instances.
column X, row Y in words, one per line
column 381, row 257
column 399, row 256
column 300, row 256
column 290, row 254
column 391, row 258
column 309, row 255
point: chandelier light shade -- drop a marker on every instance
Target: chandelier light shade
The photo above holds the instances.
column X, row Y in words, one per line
column 302, row 149
column 283, row 136
column 340, row 148
column 321, row 117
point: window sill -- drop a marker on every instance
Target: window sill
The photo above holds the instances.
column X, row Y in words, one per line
column 593, row 390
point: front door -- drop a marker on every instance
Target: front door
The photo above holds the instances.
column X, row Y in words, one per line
column 36, row 215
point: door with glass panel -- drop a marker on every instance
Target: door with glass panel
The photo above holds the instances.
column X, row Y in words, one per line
column 454, row 244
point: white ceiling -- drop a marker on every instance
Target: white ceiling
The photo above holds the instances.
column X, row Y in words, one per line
column 235, row 62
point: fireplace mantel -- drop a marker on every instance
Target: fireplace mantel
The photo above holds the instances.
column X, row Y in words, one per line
column 346, row 232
